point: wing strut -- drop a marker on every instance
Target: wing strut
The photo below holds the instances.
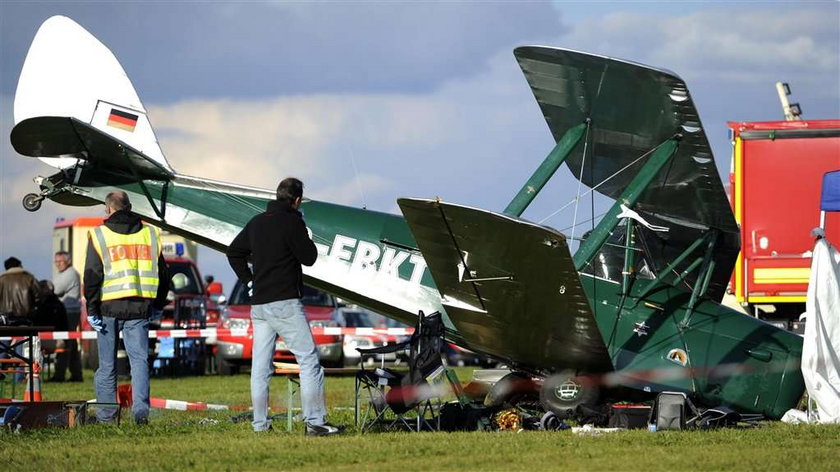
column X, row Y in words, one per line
column 667, row 270
column 661, row 156
column 702, row 282
column 549, row 166
column 161, row 213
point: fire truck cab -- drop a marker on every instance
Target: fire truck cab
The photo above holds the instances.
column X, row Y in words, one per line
column 775, row 177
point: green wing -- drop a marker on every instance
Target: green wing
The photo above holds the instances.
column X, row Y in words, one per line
column 632, row 109
column 509, row 286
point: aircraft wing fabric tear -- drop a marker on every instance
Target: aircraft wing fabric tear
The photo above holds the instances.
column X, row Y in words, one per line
column 509, row 286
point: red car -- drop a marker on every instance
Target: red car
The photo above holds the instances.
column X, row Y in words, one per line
column 233, row 352
column 186, row 283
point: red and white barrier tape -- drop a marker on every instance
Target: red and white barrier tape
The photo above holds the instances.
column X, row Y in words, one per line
column 216, row 332
column 167, row 404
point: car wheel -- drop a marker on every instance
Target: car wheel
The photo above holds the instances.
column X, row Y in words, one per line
column 225, row 367
column 334, row 363
column 564, row 391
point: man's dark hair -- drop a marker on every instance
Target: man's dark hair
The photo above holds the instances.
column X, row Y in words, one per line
column 289, row 189
column 46, row 286
column 118, row 201
column 12, row 262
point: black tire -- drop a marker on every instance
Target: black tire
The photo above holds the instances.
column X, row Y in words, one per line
column 225, row 367
column 512, row 389
column 562, row 393
column 550, row 422
column 32, row 201
column 338, row 363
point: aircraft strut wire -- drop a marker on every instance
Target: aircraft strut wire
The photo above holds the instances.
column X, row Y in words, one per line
column 249, row 205
column 577, row 198
column 582, row 166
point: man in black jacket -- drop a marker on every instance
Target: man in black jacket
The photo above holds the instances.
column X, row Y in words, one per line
column 125, row 281
column 277, row 242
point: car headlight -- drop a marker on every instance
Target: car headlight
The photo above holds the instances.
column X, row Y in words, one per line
column 323, row 324
column 236, row 323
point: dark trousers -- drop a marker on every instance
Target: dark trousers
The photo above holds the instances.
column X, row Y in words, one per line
column 70, row 357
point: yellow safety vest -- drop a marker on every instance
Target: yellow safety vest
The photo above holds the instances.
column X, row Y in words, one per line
column 129, row 262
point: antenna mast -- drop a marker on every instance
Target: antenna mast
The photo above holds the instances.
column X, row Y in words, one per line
column 792, row 110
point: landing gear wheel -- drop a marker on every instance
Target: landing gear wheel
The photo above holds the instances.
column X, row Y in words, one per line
column 563, row 392
column 32, row 201
column 514, row 389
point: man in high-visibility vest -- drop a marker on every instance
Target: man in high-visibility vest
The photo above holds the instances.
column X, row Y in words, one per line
column 125, row 283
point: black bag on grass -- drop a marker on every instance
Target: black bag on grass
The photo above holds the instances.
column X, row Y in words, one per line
column 455, row 417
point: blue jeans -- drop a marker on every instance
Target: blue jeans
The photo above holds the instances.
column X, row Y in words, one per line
column 136, row 340
column 286, row 318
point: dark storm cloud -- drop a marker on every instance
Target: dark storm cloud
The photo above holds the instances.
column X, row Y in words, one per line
column 194, row 50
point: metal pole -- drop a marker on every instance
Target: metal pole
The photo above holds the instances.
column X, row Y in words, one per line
column 629, row 197
column 629, row 257
column 31, row 366
column 544, row 172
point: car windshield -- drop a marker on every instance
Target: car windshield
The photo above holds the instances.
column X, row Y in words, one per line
column 357, row 319
column 392, row 323
column 184, row 279
column 311, row 296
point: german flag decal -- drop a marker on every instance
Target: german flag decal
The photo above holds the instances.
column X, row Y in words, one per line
column 122, row 120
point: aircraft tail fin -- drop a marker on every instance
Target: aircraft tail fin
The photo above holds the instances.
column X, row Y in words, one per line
column 68, row 73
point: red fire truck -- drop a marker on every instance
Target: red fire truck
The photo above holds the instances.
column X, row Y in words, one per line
column 775, row 177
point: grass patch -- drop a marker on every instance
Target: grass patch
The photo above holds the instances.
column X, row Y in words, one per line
column 177, row 440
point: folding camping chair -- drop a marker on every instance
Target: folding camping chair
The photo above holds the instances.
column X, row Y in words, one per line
column 407, row 399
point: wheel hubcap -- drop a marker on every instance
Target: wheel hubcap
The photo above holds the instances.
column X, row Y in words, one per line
column 567, row 391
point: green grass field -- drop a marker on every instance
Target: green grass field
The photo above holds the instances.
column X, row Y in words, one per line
column 177, row 440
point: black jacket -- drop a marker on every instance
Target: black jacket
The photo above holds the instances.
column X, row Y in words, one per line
column 51, row 312
column 276, row 243
column 123, row 222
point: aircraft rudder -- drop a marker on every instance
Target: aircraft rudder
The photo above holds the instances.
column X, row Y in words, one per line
column 92, row 87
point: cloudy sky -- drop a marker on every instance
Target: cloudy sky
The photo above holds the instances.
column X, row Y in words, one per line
column 370, row 101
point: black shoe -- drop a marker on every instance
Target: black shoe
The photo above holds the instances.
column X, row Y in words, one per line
column 75, row 379
column 325, row 429
column 141, row 420
column 56, row 379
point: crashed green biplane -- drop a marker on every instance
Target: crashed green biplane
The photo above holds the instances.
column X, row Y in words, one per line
column 633, row 312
